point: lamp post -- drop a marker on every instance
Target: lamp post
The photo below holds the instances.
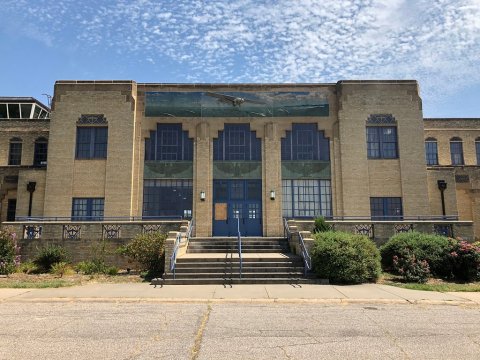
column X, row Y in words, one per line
column 30, row 188
column 442, row 186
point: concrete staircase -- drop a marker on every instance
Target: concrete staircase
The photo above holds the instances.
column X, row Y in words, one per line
column 215, row 261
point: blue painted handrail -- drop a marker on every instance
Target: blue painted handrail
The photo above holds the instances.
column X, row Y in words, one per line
column 239, row 239
column 191, row 225
column 173, row 258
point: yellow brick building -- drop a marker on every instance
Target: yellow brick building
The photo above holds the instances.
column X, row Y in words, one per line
column 350, row 151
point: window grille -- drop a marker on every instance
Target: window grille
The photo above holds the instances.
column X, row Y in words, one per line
column 456, row 151
column 305, row 142
column 237, row 143
column 87, row 209
column 386, row 208
column 40, row 152
column 431, row 151
column 15, row 153
column 382, row 142
column 169, row 143
column 306, row 198
column 91, row 142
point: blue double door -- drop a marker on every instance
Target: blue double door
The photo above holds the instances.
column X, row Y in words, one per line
column 237, row 199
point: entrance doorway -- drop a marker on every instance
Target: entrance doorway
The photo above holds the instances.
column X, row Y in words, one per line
column 237, row 199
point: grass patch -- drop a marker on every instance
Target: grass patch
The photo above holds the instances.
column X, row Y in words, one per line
column 431, row 285
column 19, row 284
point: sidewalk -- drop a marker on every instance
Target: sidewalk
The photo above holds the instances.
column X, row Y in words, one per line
column 327, row 294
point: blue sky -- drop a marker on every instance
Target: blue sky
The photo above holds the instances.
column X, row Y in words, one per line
column 436, row 42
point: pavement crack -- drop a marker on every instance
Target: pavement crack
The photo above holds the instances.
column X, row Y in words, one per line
column 199, row 336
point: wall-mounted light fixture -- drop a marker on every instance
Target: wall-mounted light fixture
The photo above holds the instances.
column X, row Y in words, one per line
column 31, row 189
column 442, row 186
column 272, row 194
column 202, row 195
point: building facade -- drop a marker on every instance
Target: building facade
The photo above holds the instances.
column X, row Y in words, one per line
column 240, row 156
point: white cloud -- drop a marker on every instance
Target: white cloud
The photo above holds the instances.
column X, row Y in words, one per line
column 434, row 41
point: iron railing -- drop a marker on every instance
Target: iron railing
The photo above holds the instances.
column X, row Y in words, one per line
column 239, row 239
column 189, row 233
column 395, row 218
column 94, row 218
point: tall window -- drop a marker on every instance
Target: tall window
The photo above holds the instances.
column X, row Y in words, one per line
column 306, row 198
column 87, row 209
column 91, row 142
column 431, row 151
column 40, row 153
column 15, row 153
column 237, row 142
column 477, row 149
column 305, row 142
column 456, row 151
column 167, row 198
column 386, row 208
column 169, row 143
column 382, row 142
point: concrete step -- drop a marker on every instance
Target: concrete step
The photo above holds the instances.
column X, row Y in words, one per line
column 251, row 250
column 237, row 281
column 246, row 265
column 235, row 269
column 233, row 275
column 234, row 238
column 233, row 258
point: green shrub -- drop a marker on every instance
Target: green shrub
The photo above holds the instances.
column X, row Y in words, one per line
column 111, row 270
column 91, row 267
column 321, row 225
column 59, row 268
column 411, row 269
column 148, row 250
column 345, row 258
column 28, row 267
column 9, row 252
column 465, row 261
column 49, row 255
column 431, row 248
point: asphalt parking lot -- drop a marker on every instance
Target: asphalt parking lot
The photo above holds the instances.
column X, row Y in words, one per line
column 175, row 330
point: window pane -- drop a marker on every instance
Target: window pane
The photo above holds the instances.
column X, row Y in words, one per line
column 84, row 139
column 386, row 208
column 456, row 152
column 431, row 152
column 167, row 198
column 15, row 154
column 100, row 145
column 40, row 155
column 14, row 111
column 306, row 198
column 477, row 148
column 26, row 110
column 3, row 111
column 36, row 112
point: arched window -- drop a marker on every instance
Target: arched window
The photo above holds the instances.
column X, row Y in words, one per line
column 456, row 151
column 477, row 149
column 15, row 153
column 431, row 151
column 40, row 152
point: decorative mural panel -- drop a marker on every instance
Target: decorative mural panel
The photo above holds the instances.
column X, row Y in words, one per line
column 168, row 170
column 306, row 170
column 236, row 104
column 237, row 169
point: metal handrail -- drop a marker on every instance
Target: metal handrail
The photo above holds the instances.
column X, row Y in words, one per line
column 306, row 257
column 173, row 258
column 239, row 239
column 189, row 233
column 307, row 260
